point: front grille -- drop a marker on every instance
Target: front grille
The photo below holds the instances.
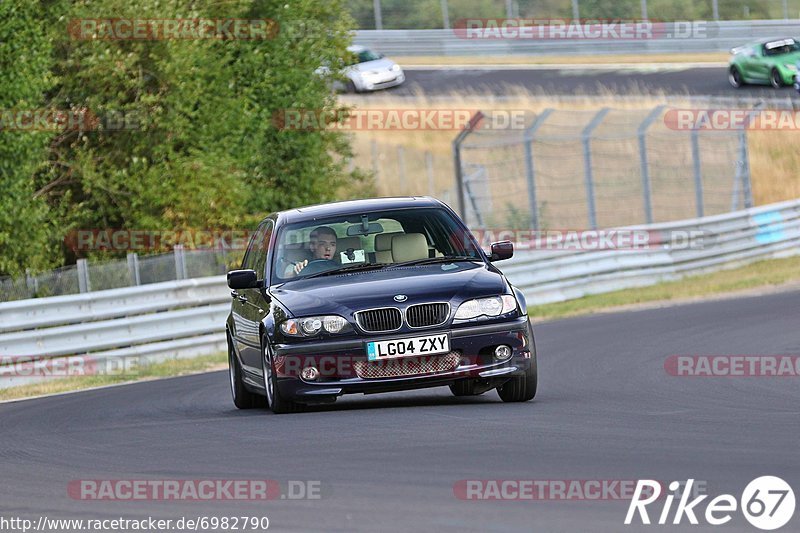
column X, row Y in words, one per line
column 407, row 366
column 384, row 319
column 423, row 315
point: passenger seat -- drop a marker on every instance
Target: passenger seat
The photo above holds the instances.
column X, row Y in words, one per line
column 383, row 246
column 409, row 246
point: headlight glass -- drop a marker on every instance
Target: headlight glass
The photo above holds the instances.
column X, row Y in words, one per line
column 313, row 325
column 486, row 307
column 396, row 67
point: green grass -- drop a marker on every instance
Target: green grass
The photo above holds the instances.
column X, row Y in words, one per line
column 767, row 273
column 170, row 368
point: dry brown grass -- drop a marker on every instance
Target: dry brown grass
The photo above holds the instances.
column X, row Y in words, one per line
column 720, row 57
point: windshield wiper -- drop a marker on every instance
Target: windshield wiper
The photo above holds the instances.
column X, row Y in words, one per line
column 432, row 260
column 350, row 268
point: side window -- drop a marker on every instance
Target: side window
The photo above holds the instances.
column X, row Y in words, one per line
column 251, row 256
column 262, row 248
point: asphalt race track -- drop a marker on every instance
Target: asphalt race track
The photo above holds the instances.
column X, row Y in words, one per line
column 606, row 410
column 633, row 80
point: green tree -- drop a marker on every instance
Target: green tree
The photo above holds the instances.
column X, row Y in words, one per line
column 25, row 64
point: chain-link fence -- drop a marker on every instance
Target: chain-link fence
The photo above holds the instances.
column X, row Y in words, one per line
column 88, row 276
column 599, row 168
column 432, row 14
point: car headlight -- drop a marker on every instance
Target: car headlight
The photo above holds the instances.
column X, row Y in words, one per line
column 396, row 67
column 313, row 325
column 793, row 68
column 486, row 307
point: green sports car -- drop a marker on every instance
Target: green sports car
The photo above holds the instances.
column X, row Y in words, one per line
column 765, row 62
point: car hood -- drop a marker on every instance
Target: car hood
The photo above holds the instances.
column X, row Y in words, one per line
column 379, row 65
column 787, row 59
column 347, row 293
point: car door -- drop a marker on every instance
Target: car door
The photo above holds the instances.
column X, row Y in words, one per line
column 761, row 65
column 255, row 306
column 239, row 307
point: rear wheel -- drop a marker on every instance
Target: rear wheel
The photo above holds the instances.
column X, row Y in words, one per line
column 275, row 401
column 242, row 398
column 775, row 79
column 735, row 77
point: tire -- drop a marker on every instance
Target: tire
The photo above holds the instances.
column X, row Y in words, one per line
column 275, row 402
column 735, row 78
column 242, row 398
column 464, row 387
column 522, row 388
column 350, row 87
column 775, row 79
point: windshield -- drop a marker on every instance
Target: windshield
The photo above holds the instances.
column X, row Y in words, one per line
column 781, row 47
column 369, row 241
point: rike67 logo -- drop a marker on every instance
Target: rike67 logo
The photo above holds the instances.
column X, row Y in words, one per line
column 767, row 502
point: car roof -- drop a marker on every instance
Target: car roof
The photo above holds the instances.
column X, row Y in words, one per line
column 356, row 48
column 348, row 207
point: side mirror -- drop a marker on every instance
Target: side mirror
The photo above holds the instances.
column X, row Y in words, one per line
column 242, row 279
column 501, row 250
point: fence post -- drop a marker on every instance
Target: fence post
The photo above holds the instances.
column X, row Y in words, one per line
column 375, row 166
column 445, row 15
column 644, row 9
column 530, row 172
column 698, row 174
column 376, row 4
column 429, row 172
column 576, row 12
column 587, row 164
column 32, row 283
column 715, row 9
column 743, row 169
column 84, row 284
column 642, row 133
column 401, row 167
column 476, row 118
column 133, row 269
column 180, row 262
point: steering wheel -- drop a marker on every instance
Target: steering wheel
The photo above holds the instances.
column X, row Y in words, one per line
column 317, row 265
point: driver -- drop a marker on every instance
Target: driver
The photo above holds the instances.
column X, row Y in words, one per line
column 323, row 247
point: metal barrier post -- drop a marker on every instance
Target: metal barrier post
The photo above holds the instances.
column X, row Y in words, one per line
column 476, row 118
column 133, row 269
column 530, row 171
column 84, row 284
column 587, row 164
column 698, row 174
column 645, row 167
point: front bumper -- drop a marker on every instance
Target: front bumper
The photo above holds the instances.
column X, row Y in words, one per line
column 376, row 83
column 337, row 359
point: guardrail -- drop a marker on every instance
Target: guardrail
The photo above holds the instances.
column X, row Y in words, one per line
column 187, row 318
column 711, row 37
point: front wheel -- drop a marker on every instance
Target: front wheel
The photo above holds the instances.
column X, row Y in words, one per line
column 522, row 388
column 775, row 79
column 275, row 401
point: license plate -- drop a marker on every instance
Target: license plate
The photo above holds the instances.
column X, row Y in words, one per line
column 431, row 344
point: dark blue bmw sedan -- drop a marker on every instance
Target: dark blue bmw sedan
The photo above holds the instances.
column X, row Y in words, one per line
column 371, row 296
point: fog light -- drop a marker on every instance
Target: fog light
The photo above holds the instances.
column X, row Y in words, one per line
column 502, row 352
column 310, row 373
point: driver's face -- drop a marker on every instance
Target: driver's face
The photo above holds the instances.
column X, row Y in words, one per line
column 323, row 246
